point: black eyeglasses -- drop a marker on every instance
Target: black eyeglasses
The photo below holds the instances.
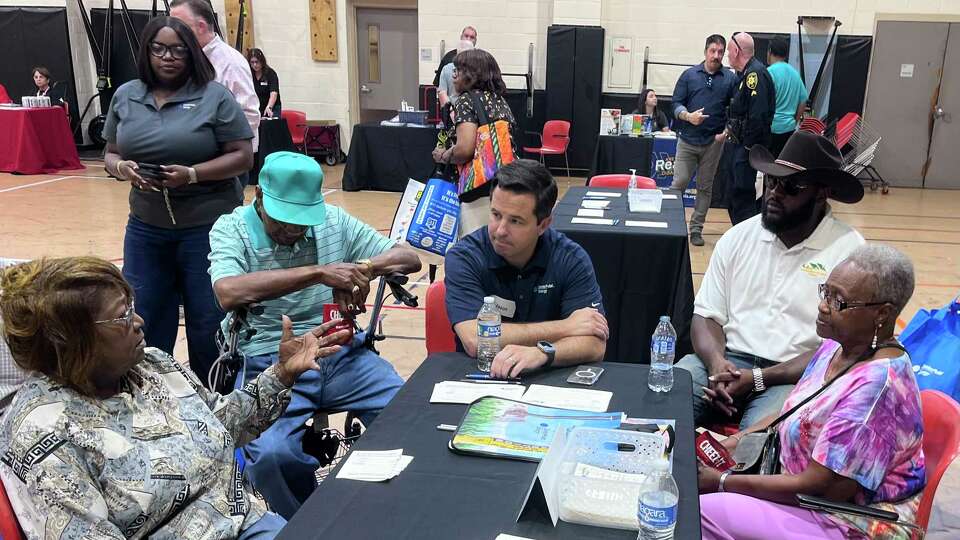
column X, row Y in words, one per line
column 178, row 52
column 126, row 320
column 733, row 38
column 838, row 304
column 785, row 185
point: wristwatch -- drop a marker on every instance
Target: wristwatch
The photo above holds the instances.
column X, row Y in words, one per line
column 368, row 263
column 548, row 349
column 758, row 385
column 193, row 175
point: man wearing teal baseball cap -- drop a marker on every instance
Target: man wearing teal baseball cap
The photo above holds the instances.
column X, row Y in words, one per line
column 290, row 253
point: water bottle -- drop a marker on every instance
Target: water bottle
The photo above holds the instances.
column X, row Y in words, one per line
column 657, row 504
column 633, row 179
column 663, row 345
column 488, row 334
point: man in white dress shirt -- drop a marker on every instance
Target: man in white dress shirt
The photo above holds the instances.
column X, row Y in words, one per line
column 754, row 323
column 233, row 70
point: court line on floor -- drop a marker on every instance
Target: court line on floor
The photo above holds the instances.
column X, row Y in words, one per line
column 40, row 183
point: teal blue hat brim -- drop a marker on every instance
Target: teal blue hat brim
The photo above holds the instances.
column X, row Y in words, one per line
column 295, row 214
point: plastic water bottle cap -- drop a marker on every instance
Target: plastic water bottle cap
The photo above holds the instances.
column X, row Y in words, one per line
column 488, row 300
column 665, row 318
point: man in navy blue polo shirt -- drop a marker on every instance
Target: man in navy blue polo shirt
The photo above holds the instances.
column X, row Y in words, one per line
column 700, row 106
column 544, row 283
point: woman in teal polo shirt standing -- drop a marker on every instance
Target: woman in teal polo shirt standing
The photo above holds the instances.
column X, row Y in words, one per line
column 180, row 139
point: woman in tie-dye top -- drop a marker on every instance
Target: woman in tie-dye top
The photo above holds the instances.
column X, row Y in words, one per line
column 860, row 440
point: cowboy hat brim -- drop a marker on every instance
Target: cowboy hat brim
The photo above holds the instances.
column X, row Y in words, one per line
column 844, row 187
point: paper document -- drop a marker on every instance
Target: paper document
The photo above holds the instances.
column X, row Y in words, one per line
column 651, row 224
column 377, row 466
column 594, row 204
column 591, row 221
column 568, row 398
column 466, row 392
column 590, row 212
column 669, row 196
column 505, row 536
column 602, row 194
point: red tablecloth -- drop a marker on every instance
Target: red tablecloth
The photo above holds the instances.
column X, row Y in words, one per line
column 36, row 141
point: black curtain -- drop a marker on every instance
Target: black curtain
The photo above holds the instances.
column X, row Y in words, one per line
column 123, row 60
column 850, row 67
column 574, row 85
column 36, row 36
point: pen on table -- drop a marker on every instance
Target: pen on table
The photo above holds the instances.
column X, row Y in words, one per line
column 487, row 377
column 447, row 427
column 491, row 381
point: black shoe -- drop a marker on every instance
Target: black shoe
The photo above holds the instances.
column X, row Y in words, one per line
column 696, row 239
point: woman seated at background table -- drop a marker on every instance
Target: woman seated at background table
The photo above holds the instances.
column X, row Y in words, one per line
column 859, row 440
column 266, row 83
column 46, row 87
column 647, row 104
column 107, row 439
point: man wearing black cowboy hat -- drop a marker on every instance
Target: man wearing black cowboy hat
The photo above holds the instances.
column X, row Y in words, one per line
column 754, row 323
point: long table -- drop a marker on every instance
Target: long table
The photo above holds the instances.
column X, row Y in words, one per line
column 383, row 158
column 36, row 140
column 442, row 495
column 643, row 272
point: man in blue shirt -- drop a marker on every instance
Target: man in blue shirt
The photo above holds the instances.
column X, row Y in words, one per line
column 700, row 107
column 543, row 282
column 289, row 253
column 791, row 94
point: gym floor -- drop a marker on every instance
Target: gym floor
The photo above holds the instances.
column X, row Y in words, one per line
column 84, row 213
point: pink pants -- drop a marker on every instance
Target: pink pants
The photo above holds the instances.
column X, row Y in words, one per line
column 731, row 516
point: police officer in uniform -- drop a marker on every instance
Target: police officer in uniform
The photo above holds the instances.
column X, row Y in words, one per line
column 751, row 113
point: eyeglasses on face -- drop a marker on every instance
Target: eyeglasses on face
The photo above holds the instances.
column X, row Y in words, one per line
column 126, row 320
column 178, row 52
column 733, row 38
column 839, row 304
column 785, row 185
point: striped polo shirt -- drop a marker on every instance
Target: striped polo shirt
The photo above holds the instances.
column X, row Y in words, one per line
column 240, row 245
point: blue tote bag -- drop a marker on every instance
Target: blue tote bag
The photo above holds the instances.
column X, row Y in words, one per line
column 933, row 340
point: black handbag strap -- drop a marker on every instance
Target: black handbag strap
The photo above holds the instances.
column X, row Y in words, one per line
column 869, row 352
column 482, row 117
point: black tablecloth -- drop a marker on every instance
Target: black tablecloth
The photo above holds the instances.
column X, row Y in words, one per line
column 274, row 136
column 617, row 154
column 643, row 273
column 445, row 495
column 383, row 158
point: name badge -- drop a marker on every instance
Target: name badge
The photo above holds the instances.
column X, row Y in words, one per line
column 507, row 308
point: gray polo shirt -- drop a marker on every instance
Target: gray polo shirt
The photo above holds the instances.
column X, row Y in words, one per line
column 189, row 129
column 446, row 82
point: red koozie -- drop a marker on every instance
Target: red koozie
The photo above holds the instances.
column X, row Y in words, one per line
column 713, row 454
column 332, row 312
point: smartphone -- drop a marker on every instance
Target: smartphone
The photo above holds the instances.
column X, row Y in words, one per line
column 820, row 503
column 585, row 375
column 149, row 171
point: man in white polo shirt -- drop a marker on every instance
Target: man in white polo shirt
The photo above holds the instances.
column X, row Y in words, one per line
column 754, row 322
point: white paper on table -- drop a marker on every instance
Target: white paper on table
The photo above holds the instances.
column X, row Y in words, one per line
column 594, row 204
column 651, row 224
column 505, row 536
column 568, row 398
column 670, row 196
column 590, row 212
column 602, row 194
column 592, row 221
column 374, row 466
column 467, row 392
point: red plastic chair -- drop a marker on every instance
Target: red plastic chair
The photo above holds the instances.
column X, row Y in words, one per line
column 813, row 125
column 621, row 181
column 941, row 444
column 438, row 330
column 297, row 124
column 845, row 127
column 9, row 526
column 554, row 141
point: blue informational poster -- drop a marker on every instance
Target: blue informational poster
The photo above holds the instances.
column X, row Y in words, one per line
column 661, row 167
column 435, row 222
